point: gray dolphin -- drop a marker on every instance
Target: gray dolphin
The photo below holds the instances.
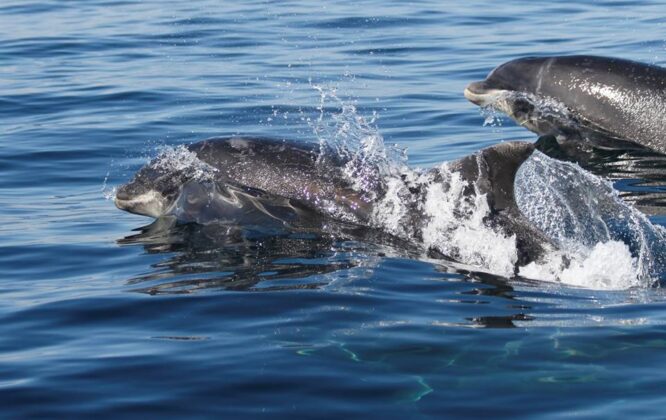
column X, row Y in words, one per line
column 263, row 181
column 610, row 99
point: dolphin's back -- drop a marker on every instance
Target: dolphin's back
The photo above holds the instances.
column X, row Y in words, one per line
column 624, row 98
column 284, row 169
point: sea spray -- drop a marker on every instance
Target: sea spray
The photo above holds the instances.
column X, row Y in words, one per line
column 599, row 234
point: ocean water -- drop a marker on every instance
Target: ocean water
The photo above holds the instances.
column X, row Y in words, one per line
column 103, row 315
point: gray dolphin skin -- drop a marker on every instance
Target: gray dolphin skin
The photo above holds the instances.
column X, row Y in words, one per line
column 619, row 99
column 256, row 181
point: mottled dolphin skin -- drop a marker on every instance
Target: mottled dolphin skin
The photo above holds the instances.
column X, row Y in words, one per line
column 615, row 99
column 259, row 181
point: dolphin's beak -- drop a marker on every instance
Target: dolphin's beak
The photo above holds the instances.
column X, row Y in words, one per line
column 150, row 203
column 479, row 93
column 122, row 199
column 121, row 204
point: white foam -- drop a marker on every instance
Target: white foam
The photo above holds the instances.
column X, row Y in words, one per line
column 390, row 212
column 606, row 266
column 456, row 227
column 442, row 217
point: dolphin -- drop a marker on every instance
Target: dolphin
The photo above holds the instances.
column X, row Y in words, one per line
column 259, row 181
column 609, row 102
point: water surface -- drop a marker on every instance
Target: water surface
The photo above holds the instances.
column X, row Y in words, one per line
column 99, row 319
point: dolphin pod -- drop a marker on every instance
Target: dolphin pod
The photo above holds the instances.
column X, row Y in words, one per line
column 272, row 182
column 606, row 101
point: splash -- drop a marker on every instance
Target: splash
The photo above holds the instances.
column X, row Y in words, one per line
column 456, row 226
column 430, row 208
column 608, row 244
column 535, row 112
column 604, row 266
column 492, row 116
column 108, row 192
column 434, row 208
column 344, row 134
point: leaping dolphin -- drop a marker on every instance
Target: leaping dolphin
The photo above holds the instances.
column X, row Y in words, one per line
column 611, row 100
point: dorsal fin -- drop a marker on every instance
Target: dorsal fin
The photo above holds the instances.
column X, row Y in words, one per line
column 493, row 171
column 501, row 165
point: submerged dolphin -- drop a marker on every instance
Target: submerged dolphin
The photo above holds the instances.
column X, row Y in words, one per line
column 260, row 181
column 609, row 100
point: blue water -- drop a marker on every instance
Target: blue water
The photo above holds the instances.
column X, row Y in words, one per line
column 187, row 320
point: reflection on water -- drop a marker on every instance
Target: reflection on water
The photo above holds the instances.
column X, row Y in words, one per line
column 228, row 257
column 223, row 256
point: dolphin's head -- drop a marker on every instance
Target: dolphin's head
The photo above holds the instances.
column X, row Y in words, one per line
column 513, row 88
column 517, row 76
column 152, row 191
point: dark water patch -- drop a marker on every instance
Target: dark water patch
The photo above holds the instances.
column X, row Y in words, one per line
column 202, row 21
column 64, row 47
column 392, row 51
column 56, row 103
